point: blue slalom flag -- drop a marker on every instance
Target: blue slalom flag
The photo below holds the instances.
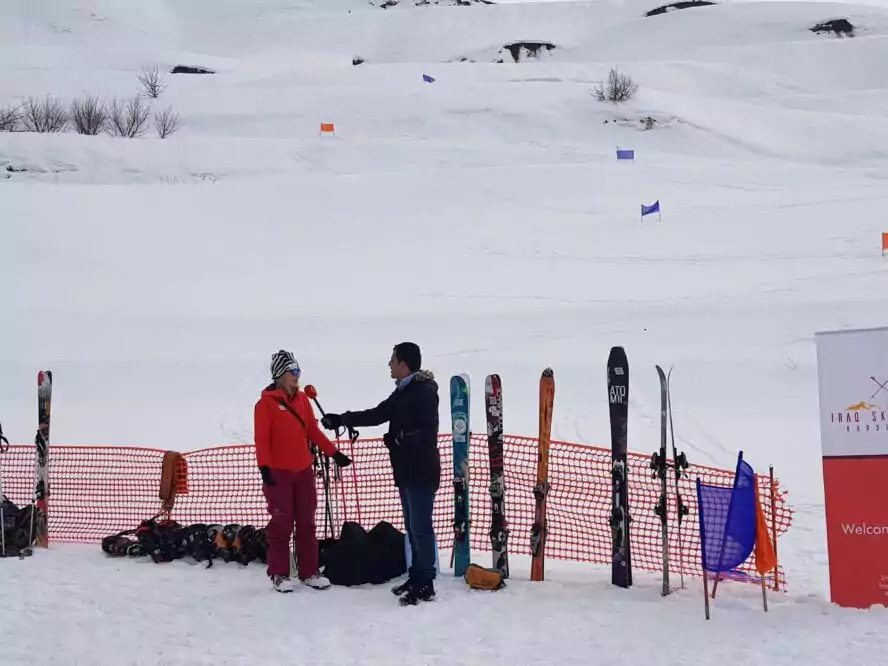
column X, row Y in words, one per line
column 653, row 208
column 427, row 78
column 625, row 154
column 727, row 520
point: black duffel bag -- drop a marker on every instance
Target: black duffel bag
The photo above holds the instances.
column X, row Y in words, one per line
column 358, row 557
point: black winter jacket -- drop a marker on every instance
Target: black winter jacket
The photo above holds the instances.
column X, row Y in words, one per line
column 412, row 437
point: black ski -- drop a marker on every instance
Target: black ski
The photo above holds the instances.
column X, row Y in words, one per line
column 618, row 398
column 679, row 467
column 659, row 467
column 499, row 531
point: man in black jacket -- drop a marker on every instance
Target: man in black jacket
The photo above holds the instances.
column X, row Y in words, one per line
column 412, row 440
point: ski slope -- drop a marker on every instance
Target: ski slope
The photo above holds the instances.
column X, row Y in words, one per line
column 483, row 216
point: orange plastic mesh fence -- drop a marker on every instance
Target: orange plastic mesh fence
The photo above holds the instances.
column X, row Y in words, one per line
column 97, row 491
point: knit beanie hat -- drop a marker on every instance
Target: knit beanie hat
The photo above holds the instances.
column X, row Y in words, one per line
column 282, row 362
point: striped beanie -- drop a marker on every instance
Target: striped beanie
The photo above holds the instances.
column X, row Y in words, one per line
column 281, row 362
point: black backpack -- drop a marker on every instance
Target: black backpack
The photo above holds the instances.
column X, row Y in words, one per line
column 17, row 528
column 387, row 557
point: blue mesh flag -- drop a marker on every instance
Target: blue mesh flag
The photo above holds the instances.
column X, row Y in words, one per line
column 727, row 520
column 625, row 154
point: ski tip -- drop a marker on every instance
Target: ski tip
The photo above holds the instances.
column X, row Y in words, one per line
column 617, row 356
column 492, row 383
column 548, row 373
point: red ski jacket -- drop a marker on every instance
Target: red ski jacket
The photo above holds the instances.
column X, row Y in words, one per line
column 282, row 441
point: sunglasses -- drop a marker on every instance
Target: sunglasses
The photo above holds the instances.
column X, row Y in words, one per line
column 296, row 372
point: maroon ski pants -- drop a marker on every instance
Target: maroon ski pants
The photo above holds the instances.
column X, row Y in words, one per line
column 292, row 501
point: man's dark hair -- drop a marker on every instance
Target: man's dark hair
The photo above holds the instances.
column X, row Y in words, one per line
column 408, row 352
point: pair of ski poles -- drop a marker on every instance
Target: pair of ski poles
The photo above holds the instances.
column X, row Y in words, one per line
column 331, row 513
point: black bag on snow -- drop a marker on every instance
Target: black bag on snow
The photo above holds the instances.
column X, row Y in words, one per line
column 358, row 557
column 387, row 558
column 17, row 527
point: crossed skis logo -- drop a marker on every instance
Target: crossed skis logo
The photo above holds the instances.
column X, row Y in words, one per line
column 864, row 416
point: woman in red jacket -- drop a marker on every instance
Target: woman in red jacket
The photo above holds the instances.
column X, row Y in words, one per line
column 285, row 427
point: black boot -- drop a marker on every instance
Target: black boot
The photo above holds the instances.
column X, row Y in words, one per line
column 403, row 588
column 422, row 592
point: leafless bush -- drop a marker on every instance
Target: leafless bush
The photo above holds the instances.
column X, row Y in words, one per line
column 166, row 122
column 128, row 118
column 619, row 88
column 152, row 82
column 89, row 115
column 10, row 116
column 46, row 115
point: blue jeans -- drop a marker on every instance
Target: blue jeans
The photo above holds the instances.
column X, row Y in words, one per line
column 417, row 503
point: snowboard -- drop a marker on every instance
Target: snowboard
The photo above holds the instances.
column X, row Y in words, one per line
column 499, row 531
column 539, row 529
column 618, row 399
column 460, row 389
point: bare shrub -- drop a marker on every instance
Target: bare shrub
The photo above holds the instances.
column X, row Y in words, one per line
column 152, row 82
column 619, row 87
column 166, row 122
column 46, row 115
column 89, row 115
column 128, row 118
column 10, row 116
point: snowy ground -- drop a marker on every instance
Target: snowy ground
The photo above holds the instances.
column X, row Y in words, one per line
column 483, row 216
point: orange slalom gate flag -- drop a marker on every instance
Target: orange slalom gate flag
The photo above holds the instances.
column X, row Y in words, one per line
column 884, row 242
column 765, row 557
column 327, row 127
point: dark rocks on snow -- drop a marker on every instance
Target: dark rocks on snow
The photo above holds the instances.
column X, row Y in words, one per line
column 686, row 4
column 839, row 27
column 357, row 61
column 457, row 3
column 187, row 69
column 530, row 49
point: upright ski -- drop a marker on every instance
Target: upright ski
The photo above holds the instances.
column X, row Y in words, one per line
column 39, row 532
column 679, row 467
column 459, row 416
column 499, row 530
column 659, row 467
column 618, row 399
column 539, row 529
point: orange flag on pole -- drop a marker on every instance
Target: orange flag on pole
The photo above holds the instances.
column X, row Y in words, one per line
column 765, row 557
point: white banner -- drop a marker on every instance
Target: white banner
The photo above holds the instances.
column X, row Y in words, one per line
column 852, row 373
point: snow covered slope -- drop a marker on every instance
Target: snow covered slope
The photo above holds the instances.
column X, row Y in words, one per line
column 483, row 216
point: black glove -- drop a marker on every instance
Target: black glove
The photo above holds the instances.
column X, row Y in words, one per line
column 267, row 479
column 332, row 421
column 341, row 459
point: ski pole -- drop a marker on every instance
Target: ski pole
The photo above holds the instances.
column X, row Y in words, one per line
column 331, row 514
column 4, row 447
